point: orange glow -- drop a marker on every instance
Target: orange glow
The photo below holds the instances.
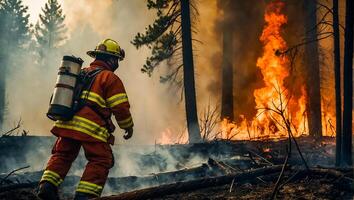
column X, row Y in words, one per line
column 167, row 137
column 170, row 137
column 267, row 150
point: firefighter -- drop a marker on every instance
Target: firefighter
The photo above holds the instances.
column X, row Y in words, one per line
column 91, row 128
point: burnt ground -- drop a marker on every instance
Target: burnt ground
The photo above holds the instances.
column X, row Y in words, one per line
column 309, row 186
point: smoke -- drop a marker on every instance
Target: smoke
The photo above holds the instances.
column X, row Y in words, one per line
column 207, row 54
column 153, row 108
column 130, row 160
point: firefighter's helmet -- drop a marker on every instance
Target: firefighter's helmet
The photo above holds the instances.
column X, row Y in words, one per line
column 108, row 47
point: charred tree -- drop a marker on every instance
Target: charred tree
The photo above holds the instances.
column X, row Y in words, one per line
column 348, row 85
column 312, row 70
column 188, row 72
column 227, row 106
column 167, row 36
column 337, row 83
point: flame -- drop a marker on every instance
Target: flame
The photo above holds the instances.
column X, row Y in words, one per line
column 278, row 111
column 267, row 150
column 170, row 137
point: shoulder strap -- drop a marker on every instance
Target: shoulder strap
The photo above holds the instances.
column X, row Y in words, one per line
column 92, row 75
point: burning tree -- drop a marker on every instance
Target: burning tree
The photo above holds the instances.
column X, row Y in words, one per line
column 319, row 30
column 312, row 70
column 275, row 68
column 169, row 34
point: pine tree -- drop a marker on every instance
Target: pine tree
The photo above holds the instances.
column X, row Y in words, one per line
column 15, row 23
column 167, row 36
column 50, row 30
column 14, row 36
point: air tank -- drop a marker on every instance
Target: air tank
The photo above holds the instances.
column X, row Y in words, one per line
column 61, row 103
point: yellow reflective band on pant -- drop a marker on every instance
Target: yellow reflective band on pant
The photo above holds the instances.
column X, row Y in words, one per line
column 127, row 123
column 90, row 188
column 117, row 99
column 51, row 177
column 85, row 126
column 94, row 97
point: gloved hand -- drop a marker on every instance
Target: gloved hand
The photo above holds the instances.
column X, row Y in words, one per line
column 128, row 133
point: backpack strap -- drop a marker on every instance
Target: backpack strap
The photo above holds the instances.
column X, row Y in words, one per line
column 108, row 122
column 91, row 75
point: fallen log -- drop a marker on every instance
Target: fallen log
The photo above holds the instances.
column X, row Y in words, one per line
column 332, row 172
column 185, row 186
column 129, row 183
column 211, row 168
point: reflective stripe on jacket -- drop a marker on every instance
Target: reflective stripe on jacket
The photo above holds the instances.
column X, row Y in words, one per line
column 107, row 96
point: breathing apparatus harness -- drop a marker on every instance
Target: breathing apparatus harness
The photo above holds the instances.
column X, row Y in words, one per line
column 85, row 82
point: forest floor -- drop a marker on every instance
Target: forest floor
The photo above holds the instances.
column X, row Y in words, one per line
column 332, row 184
column 307, row 188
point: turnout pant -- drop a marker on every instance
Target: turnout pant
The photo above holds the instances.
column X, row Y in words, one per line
column 100, row 160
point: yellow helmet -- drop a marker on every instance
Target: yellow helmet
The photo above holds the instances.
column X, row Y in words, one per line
column 109, row 47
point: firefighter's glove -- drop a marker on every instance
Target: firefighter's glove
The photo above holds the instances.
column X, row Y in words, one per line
column 128, row 133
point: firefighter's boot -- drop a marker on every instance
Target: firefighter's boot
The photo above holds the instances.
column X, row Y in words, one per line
column 83, row 196
column 47, row 191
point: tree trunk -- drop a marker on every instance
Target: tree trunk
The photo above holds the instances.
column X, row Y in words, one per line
column 3, row 70
column 188, row 72
column 312, row 71
column 336, row 45
column 3, row 34
column 348, row 86
column 2, row 92
column 227, row 107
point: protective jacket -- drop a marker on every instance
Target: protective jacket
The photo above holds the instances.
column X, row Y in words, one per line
column 93, row 123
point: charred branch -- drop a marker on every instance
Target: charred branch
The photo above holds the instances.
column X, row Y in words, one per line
column 12, row 172
column 9, row 132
